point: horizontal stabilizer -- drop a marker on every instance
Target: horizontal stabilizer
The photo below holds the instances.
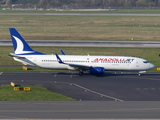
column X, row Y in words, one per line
column 14, row 55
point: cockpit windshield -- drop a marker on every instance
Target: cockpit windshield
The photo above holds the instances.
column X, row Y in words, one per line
column 145, row 61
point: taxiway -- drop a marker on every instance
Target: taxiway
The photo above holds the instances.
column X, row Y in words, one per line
column 111, row 96
column 108, row 87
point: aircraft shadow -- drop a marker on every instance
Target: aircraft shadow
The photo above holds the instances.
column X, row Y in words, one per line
column 106, row 74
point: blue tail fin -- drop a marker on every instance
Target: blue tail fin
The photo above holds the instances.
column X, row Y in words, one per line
column 20, row 45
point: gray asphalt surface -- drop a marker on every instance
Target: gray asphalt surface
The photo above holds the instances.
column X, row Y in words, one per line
column 109, row 87
column 83, row 43
column 113, row 95
column 79, row 110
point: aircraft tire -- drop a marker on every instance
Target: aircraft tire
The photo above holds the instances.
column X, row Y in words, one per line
column 80, row 73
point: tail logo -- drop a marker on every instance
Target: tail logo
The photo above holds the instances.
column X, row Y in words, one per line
column 20, row 47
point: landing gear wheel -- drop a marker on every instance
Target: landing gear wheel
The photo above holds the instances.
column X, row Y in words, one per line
column 80, row 73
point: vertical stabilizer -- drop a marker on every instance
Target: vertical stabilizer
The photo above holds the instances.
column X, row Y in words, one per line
column 19, row 44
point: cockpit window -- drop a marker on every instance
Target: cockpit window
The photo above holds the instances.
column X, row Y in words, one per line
column 145, row 61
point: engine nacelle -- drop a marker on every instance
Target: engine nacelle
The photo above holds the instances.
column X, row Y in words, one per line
column 97, row 70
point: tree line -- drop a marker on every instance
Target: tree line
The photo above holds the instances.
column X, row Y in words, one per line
column 75, row 4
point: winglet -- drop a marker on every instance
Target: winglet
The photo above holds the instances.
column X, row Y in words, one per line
column 59, row 59
column 63, row 52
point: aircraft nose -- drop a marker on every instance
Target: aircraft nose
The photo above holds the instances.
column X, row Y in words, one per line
column 151, row 66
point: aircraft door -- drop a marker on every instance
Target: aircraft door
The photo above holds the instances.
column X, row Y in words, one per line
column 88, row 60
column 137, row 64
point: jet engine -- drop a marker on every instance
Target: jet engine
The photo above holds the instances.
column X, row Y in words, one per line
column 97, row 70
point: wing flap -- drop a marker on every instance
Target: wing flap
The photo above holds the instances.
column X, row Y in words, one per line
column 79, row 67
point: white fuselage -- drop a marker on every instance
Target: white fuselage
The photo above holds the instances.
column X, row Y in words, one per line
column 110, row 63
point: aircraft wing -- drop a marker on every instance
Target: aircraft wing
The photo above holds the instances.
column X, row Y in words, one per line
column 76, row 66
column 79, row 67
column 24, row 59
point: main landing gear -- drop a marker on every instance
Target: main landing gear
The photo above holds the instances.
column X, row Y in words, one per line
column 80, row 73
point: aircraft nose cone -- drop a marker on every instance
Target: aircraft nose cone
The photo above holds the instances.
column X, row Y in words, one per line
column 151, row 66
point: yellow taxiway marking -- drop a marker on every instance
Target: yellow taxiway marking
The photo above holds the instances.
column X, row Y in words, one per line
column 147, row 88
column 55, row 75
column 151, row 78
column 146, row 78
column 1, row 73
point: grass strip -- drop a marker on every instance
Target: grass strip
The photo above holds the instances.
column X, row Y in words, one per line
column 36, row 93
column 71, row 27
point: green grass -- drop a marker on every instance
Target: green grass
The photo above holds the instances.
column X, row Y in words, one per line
column 43, row 27
column 150, row 54
column 36, row 93
column 30, row 69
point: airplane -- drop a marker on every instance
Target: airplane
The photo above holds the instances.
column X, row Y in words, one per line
column 93, row 64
